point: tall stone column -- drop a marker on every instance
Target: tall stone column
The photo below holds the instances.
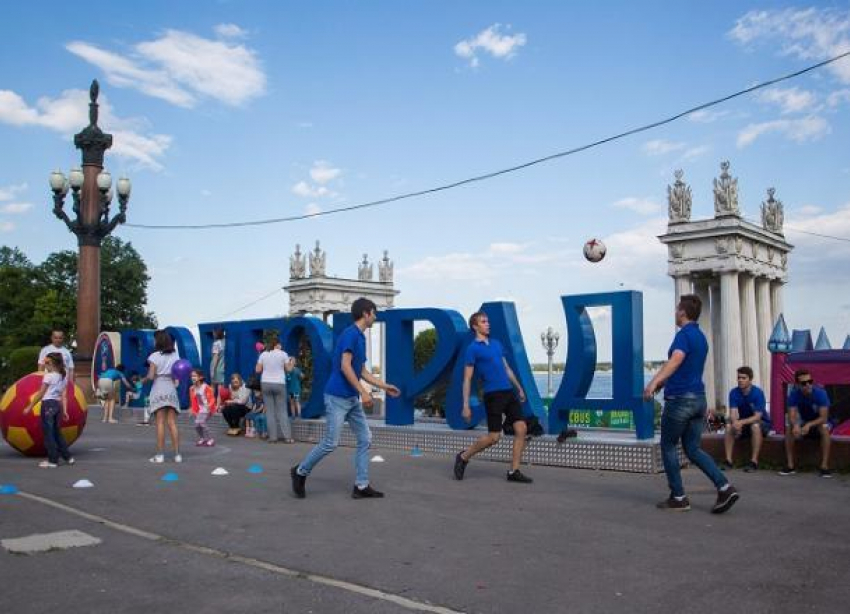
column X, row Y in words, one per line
column 683, row 286
column 749, row 326
column 776, row 304
column 765, row 328
column 716, row 330
column 731, row 347
column 703, row 290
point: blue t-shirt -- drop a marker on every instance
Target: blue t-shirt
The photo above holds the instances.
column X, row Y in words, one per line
column 293, row 381
column 113, row 374
column 488, row 360
column 750, row 403
column 688, row 377
column 353, row 341
column 806, row 405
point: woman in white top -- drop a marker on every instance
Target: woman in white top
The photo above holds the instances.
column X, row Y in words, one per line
column 273, row 365
column 164, row 403
column 53, row 402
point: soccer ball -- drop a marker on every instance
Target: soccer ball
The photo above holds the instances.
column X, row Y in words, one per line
column 594, row 250
column 23, row 432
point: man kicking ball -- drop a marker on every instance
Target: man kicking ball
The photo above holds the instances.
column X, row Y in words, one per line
column 486, row 357
column 344, row 402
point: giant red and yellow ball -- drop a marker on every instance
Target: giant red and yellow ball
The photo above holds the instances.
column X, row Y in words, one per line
column 23, row 431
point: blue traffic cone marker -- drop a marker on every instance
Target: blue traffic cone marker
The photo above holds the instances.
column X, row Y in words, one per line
column 416, row 452
column 170, row 477
column 255, row 469
column 8, row 489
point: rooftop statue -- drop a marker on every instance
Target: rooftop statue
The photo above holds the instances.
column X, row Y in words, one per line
column 726, row 192
column 679, row 200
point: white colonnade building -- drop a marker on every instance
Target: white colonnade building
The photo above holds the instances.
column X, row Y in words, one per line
column 738, row 269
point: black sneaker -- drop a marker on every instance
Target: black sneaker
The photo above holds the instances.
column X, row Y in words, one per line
column 519, row 476
column 674, row 504
column 726, row 465
column 751, row 466
column 566, row 434
column 825, row 473
column 786, row 470
column 460, row 466
column 725, row 500
column 298, row 483
column 366, row 493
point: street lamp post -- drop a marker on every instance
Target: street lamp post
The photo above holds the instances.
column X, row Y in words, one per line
column 91, row 189
column 550, row 342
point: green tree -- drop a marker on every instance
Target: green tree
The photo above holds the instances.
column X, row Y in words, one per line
column 424, row 347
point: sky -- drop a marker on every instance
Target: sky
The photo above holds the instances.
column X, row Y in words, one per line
column 233, row 111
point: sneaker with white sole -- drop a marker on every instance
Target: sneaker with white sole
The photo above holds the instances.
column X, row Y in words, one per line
column 47, row 465
column 157, row 458
column 178, row 458
column 209, row 443
column 71, row 461
column 725, row 500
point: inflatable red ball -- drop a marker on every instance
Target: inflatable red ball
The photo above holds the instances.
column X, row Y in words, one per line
column 23, row 431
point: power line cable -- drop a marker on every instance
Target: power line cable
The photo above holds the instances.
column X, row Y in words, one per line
column 504, row 171
column 252, row 303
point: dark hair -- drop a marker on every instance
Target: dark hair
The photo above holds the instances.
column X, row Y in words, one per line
column 361, row 307
column 799, row 373
column 691, row 305
column 745, row 371
column 199, row 373
column 120, row 367
column 58, row 362
column 473, row 319
column 218, row 333
column 163, row 341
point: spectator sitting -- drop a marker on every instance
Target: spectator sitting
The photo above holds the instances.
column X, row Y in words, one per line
column 747, row 419
column 255, row 421
column 237, row 406
column 808, row 416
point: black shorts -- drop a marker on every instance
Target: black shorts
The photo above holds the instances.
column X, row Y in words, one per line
column 498, row 403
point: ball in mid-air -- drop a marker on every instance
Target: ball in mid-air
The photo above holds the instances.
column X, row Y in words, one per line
column 594, row 250
column 23, row 431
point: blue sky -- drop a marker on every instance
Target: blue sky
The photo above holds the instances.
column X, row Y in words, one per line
column 228, row 111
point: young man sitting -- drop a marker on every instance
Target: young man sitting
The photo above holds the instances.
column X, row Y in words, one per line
column 808, row 416
column 747, row 419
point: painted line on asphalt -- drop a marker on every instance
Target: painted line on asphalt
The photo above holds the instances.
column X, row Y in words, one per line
column 358, row 589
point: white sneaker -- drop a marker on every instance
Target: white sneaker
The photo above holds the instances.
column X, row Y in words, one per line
column 71, row 461
column 178, row 458
column 158, row 458
column 47, row 465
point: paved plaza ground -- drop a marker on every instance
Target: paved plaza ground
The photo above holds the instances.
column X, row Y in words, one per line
column 574, row 541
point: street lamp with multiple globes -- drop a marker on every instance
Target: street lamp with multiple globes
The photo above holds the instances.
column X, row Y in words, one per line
column 550, row 340
column 91, row 190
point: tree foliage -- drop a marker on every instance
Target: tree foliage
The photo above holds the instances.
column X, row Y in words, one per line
column 37, row 298
column 424, row 347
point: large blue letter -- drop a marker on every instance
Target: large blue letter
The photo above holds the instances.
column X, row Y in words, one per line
column 627, row 360
column 321, row 345
column 188, row 350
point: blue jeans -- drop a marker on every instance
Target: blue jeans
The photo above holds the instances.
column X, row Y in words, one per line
column 259, row 420
column 683, row 419
column 338, row 410
column 51, row 414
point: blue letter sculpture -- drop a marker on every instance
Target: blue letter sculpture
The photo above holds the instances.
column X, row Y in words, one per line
column 627, row 360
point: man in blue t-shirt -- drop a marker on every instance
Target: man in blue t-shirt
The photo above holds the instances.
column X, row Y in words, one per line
column 485, row 358
column 685, row 408
column 808, row 416
column 747, row 419
column 344, row 402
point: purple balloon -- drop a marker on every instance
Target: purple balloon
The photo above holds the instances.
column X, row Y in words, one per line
column 182, row 369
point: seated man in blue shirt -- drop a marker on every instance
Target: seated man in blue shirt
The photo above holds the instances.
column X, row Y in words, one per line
column 808, row 416
column 747, row 419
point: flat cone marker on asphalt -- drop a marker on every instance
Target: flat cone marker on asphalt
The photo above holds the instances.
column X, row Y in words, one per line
column 8, row 489
column 416, row 451
column 170, row 477
column 220, row 471
column 83, row 484
column 377, row 459
column 255, row 469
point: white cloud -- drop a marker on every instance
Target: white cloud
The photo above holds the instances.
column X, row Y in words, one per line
column 838, row 97
column 810, row 210
column 6, row 226
column 230, row 30
column 15, row 208
column 643, row 206
column 809, row 128
column 695, row 152
column 312, row 209
column 506, row 248
column 809, row 34
column 68, row 114
column 9, row 192
column 660, row 147
column 789, row 100
column 181, row 67
column 706, row 116
column 322, row 172
column 492, row 41
column 305, row 190
column 807, row 260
